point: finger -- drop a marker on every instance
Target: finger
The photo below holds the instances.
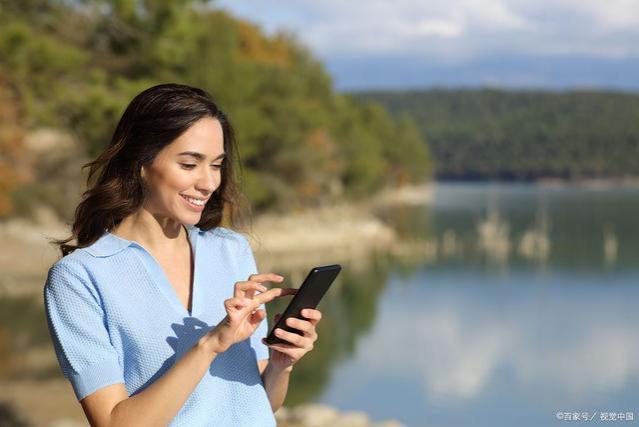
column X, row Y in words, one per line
column 266, row 277
column 295, row 339
column 288, row 349
column 282, row 347
column 247, row 289
column 313, row 315
column 301, row 325
column 235, row 304
column 271, row 294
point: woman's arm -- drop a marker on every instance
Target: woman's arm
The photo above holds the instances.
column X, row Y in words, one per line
column 275, row 382
column 157, row 404
column 277, row 370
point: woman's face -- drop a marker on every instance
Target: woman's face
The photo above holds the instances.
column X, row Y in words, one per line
column 186, row 169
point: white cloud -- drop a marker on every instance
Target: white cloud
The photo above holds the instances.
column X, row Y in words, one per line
column 434, row 27
column 457, row 29
column 572, row 353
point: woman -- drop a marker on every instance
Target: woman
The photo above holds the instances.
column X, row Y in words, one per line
column 156, row 314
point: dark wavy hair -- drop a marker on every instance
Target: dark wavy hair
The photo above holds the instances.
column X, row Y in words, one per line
column 153, row 119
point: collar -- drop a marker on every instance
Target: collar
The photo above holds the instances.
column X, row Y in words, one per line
column 110, row 244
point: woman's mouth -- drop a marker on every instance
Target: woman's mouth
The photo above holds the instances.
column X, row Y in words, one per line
column 194, row 204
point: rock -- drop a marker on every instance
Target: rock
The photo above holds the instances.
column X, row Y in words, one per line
column 320, row 415
column 66, row 422
column 48, row 140
column 410, row 194
column 352, row 419
column 390, row 423
column 314, row 415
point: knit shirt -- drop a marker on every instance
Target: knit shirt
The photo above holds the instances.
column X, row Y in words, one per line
column 114, row 317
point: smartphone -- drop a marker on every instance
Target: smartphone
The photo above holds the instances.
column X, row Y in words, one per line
column 308, row 295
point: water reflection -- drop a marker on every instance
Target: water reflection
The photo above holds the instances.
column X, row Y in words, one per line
column 24, row 340
column 467, row 340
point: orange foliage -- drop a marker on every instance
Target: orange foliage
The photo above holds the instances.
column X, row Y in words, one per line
column 12, row 170
column 5, row 351
column 322, row 167
column 254, row 46
column 325, row 149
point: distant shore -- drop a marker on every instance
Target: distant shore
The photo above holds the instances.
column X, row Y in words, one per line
column 591, row 183
column 594, row 183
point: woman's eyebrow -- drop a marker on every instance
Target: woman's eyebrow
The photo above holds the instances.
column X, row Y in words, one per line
column 200, row 156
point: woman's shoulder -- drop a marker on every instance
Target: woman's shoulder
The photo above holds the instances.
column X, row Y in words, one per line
column 70, row 272
column 75, row 261
column 81, row 264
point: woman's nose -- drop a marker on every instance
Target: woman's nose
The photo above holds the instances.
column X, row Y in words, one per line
column 207, row 182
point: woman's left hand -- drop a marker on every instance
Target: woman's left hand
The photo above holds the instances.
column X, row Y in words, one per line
column 285, row 355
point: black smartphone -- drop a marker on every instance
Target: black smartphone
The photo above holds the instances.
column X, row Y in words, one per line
column 308, row 295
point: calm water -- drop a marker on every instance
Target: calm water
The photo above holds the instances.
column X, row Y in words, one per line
column 525, row 305
column 520, row 303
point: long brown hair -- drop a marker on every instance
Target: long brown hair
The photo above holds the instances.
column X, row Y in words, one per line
column 153, row 119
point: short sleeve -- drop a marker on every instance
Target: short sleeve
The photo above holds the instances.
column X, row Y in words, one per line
column 77, row 328
column 248, row 267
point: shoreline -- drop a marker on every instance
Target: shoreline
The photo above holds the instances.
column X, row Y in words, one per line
column 348, row 231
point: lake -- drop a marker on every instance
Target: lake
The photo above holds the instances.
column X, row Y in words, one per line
column 521, row 310
column 515, row 306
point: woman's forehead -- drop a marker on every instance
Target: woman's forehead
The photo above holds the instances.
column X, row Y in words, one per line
column 204, row 137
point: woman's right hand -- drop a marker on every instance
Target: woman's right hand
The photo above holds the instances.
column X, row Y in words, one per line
column 243, row 316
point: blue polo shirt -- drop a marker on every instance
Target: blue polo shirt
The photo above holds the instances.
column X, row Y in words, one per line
column 114, row 317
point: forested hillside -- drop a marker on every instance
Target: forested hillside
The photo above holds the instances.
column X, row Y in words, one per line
column 74, row 65
column 524, row 135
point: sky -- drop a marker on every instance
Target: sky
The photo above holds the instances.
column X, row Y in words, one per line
column 408, row 44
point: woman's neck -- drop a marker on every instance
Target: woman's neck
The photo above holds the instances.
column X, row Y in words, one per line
column 160, row 235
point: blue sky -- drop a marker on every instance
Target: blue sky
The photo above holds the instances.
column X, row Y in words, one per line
column 401, row 44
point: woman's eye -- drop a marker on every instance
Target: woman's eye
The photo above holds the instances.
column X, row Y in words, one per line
column 188, row 166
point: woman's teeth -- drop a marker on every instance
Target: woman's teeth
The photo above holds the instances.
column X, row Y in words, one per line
column 194, row 201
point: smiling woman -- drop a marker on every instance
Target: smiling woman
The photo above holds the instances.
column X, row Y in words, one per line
column 161, row 129
column 139, row 310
